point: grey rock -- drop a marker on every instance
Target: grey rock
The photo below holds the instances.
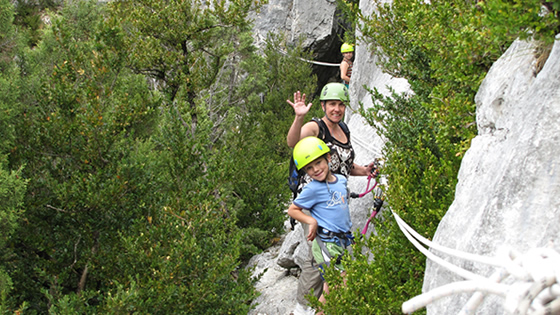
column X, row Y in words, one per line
column 277, row 285
column 509, row 177
column 289, row 256
column 312, row 21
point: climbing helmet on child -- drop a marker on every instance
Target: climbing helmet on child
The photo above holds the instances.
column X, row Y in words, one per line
column 346, row 48
column 307, row 150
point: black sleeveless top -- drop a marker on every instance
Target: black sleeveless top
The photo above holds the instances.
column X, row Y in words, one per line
column 342, row 154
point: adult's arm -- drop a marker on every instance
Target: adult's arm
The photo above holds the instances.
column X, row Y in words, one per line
column 359, row 170
column 299, row 130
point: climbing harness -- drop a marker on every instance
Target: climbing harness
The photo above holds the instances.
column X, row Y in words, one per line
column 377, row 204
column 378, row 195
column 341, row 239
column 535, row 288
column 372, row 175
column 368, row 190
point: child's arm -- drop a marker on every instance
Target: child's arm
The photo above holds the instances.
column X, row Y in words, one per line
column 297, row 213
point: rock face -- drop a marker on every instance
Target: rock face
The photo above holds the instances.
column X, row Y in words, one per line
column 278, row 285
column 312, row 21
column 315, row 22
column 509, row 179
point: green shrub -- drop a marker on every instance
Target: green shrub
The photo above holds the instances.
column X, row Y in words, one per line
column 152, row 177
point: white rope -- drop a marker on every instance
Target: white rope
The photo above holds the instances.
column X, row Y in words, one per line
column 420, row 301
column 449, row 251
column 458, row 270
column 319, row 63
column 551, row 308
column 365, row 145
column 476, row 299
column 535, row 289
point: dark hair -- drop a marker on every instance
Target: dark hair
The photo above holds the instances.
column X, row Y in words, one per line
column 324, row 156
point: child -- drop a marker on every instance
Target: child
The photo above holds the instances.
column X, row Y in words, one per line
column 326, row 197
column 347, row 51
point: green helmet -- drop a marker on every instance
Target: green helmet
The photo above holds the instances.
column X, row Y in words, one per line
column 309, row 149
column 335, row 91
column 346, row 48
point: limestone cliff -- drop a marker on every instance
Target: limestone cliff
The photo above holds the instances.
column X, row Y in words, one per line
column 510, row 177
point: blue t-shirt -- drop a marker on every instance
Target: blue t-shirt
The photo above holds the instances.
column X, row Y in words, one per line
column 328, row 204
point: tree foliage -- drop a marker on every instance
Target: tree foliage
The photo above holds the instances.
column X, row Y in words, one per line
column 79, row 121
column 260, row 156
column 144, row 141
column 12, row 185
column 181, row 44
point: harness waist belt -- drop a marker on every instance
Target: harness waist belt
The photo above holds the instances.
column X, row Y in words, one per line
column 330, row 234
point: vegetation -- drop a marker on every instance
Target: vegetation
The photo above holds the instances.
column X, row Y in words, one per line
column 444, row 49
column 141, row 156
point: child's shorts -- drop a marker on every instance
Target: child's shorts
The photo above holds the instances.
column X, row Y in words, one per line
column 322, row 259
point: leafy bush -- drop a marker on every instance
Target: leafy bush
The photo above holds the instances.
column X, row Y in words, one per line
column 155, row 167
column 259, row 156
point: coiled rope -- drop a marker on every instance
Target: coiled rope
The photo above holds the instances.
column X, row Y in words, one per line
column 536, row 275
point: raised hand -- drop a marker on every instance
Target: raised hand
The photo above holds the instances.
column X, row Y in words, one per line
column 300, row 109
